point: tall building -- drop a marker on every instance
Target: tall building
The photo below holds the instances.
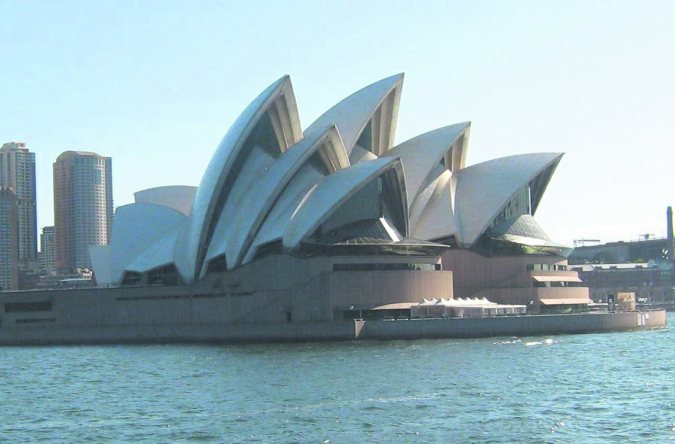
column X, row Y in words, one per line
column 83, row 207
column 17, row 171
column 9, row 239
column 47, row 252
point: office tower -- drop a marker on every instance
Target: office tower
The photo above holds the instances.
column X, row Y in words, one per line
column 47, row 252
column 17, row 171
column 83, row 207
column 9, row 240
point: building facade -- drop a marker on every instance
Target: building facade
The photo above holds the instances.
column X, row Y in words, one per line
column 652, row 282
column 48, row 252
column 542, row 282
column 83, row 207
column 9, row 240
column 17, row 171
column 645, row 267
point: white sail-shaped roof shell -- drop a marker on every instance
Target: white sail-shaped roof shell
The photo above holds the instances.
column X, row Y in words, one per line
column 483, row 189
column 178, row 197
column 333, row 191
column 136, row 227
column 264, row 193
column 278, row 99
column 377, row 103
column 421, row 154
column 299, row 188
column 101, row 263
column 269, row 187
column 159, row 254
column 437, row 219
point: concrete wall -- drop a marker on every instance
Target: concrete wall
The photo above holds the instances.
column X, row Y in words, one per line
column 335, row 330
column 506, row 279
column 256, row 332
column 367, row 289
column 277, row 298
column 167, row 305
column 473, row 271
column 275, row 290
column 281, row 271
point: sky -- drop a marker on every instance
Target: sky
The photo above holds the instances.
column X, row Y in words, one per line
column 156, row 84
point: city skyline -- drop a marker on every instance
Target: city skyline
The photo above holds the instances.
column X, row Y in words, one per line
column 594, row 84
column 581, row 241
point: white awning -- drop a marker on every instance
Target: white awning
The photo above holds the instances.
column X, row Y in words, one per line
column 397, row 306
column 556, row 278
column 565, row 301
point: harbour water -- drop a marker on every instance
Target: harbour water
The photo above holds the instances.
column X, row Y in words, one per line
column 616, row 387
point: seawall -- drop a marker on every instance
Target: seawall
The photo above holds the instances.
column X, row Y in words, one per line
column 333, row 330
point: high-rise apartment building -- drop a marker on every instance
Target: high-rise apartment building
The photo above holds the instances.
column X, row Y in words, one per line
column 17, row 171
column 9, row 240
column 83, row 207
column 47, row 252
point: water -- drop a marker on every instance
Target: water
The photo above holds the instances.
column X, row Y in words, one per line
column 616, row 387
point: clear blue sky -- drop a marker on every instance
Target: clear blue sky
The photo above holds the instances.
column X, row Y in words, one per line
column 156, row 84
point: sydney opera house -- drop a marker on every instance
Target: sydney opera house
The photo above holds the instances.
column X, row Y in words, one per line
column 323, row 223
column 331, row 233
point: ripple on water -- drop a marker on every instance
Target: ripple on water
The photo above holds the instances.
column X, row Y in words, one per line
column 583, row 388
